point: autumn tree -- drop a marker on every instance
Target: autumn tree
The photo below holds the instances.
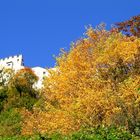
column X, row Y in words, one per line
column 130, row 27
column 16, row 92
column 23, row 80
column 21, row 91
column 94, row 84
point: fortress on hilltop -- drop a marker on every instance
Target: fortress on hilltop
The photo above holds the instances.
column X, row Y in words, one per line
column 16, row 63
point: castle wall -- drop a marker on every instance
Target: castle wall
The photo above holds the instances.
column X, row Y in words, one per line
column 12, row 62
column 16, row 63
column 41, row 73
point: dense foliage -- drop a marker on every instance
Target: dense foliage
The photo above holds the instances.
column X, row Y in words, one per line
column 130, row 27
column 92, row 94
column 16, row 92
column 100, row 133
column 96, row 83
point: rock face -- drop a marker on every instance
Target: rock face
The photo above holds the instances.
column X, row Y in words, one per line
column 16, row 63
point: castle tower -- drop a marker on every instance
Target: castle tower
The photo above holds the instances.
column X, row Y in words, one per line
column 12, row 62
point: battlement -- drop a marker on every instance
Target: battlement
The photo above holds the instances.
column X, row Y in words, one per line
column 13, row 62
column 11, row 57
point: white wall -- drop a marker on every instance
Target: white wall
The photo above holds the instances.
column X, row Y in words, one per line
column 41, row 73
column 16, row 63
column 12, row 62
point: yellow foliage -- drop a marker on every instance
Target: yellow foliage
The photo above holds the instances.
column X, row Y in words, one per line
column 90, row 86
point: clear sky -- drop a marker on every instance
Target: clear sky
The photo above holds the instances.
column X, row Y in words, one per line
column 39, row 28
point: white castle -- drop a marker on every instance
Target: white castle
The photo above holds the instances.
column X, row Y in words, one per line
column 16, row 63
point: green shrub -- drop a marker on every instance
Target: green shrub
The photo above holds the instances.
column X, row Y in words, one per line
column 103, row 133
column 10, row 123
column 3, row 97
column 14, row 100
column 21, row 101
column 35, row 137
column 99, row 133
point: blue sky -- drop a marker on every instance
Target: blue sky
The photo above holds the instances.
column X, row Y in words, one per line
column 39, row 28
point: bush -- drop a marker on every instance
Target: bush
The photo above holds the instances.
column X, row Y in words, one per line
column 35, row 137
column 3, row 97
column 14, row 100
column 10, row 122
column 103, row 133
column 98, row 133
